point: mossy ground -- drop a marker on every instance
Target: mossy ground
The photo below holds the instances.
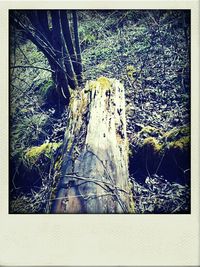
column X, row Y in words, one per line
column 160, row 141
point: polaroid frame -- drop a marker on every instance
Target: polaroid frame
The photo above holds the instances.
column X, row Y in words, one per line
column 95, row 240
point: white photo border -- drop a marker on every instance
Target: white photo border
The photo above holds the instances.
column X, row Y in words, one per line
column 99, row 240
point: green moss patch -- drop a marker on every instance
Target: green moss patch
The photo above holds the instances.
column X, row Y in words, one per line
column 177, row 133
column 46, row 149
column 181, row 144
column 103, row 82
column 150, row 131
column 152, row 143
column 46, row 87
column 177, row 138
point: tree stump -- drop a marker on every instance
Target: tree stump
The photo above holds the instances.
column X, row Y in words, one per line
column 94, row 164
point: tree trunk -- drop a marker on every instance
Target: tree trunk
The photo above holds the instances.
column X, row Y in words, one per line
column 93, row 177
column 55, row 42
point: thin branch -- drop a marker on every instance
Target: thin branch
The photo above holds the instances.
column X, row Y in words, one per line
column 33, row 67
column 160, row 162
column 88, row 179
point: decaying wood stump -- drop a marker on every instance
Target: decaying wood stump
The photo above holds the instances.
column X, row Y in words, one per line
column 94, row 164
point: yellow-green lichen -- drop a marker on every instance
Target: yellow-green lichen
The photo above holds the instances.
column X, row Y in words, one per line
column 91, row 86
column 128, row 148
column 131, row 206
column 181, row 144
column 102, row 83
column 175, row 133
column 58, row 163
column 72, row 92
column 69, row 144
column 78, row 103
column 47, row 149
column 83, row 102
column 130, row 71
column 150, row 130
column 71, row 102
column 152, row 143
column 130, row 67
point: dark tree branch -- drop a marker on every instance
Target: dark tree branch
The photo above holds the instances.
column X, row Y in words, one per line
column 77, row 46
column 33, row 67
column 68, row 39
column 43, row 20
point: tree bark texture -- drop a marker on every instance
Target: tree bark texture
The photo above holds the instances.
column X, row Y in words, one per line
column 93, row 176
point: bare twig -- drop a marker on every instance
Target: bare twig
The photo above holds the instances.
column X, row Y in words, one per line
column 32, row 67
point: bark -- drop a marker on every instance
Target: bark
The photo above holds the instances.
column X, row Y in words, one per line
column 77, row 47
column 93, row 177
column 43, row 20
column 68, row 40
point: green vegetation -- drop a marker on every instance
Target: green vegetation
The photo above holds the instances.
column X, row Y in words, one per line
column 46, row 149
column 181, row 144
column 176, row 133
column 131, row 71
column 150, row 131
column 46, row 87
column 159, row 143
